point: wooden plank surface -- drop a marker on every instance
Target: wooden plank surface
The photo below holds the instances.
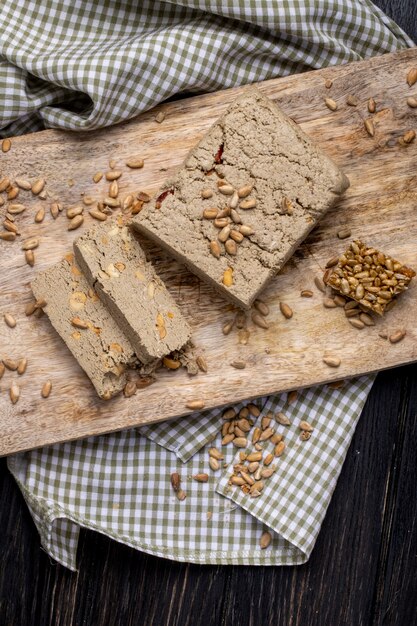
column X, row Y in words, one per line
column 379, row 207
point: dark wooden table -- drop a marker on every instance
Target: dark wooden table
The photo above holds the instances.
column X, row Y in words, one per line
column 363, row 570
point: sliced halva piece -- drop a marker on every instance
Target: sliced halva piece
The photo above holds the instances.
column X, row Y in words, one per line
column 115, row 265
column 83, row 322
column 285, row 182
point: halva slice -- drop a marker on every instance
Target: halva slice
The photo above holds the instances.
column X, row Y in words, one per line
column 115, row 265
column 83, row 322
column 369, row 276
column 245, row 198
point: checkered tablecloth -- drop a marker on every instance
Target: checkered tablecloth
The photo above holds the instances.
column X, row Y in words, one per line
column 82, row 65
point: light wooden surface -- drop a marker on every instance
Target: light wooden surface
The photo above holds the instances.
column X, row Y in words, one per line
column 379, row 207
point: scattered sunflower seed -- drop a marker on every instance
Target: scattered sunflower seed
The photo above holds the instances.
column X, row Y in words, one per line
column 76, row 222
column 371, row 105
column 331, row 104
column 352, row 101
column 320, row 284
column 38, row 186
column 331, row 361
column 282, row 419
column 30, row 257
column 328, row 83
column 397, row 336
column 21, row 368
column 412, row 76
column 305, row 435
column 286, row 310
column 10, row 320
column 6, row 144
column 409, row 136
column 369, row 127
column 201, row 478
column 30, row 244
column 238, row 365
column 412, row 102
column 113, row 175
column 14, row 392
column 40, row 215
column 195, row 405
column 343, row 233
column 46, row 389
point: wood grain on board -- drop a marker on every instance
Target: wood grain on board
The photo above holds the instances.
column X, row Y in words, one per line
column 379, row 207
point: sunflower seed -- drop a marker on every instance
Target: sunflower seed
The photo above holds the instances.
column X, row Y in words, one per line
column 259, row 320
column 30, row 244
column 331, row 104
column 14, row 393
column 282, row 419
column 268, row 459
column 256, row 434
column 211, row 214
column 215, row 249
column 320, row 284
column 7, row 236
column 235, row 217
column 12, row 228
column 286, row 310
column 344, row 233
column 352, row 101
column 201, row 478
column 16, row 209
column 98, row 215
column 113, row 175
column 175, row 481
column 244, row 412
column 244, row 191
column 254, row 456
column 409, row 136
column 412, row 102
column 306, row 426
column 366, row 319
column 228, row 277
column 226, row 190
column 231, row 247
column 181, row 495
column 253, row 466
column 10, row 320
column 328, row 83
column 238, row 365
column 371, row 105
column 97, row 177
column 22, row 183
column 253, row 410
column 206, row 193
column 46, row 389
column 246, row 230
column 262, row 307
column 6, row 144
column 137, row 207
column 266, row 421
column 76, row 222
column 279, row 448
column 4, row 183
column 79, row 323
column 369, row 127
column 214, row 464
column 240, row 442
column 38, row 186
column 331, row 361
column 21, row 368
column 54, row 210
column 11, row 364
column 73, row 211
column 333, row 261
column 159, row 117
column 236, row 236
column 114, row 189
column 237, row 480
column 12, row 193
column 356, row 323
column 305, row 435
column 412, row 76
column 40, row 215
column 245, row 205
column 266, row 434
column 30, row 257
column 227, row 327
column 2, row 370
column 395, row 337
column 329, row 303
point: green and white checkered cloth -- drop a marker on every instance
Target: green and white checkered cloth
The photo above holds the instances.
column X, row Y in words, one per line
column 82, row 65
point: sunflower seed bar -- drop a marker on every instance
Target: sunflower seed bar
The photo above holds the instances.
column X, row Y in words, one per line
column 369, row 276
column 83, row 322
column 115, row 264
column 247, row 195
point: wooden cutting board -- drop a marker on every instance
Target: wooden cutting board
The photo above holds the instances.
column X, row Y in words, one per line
column 380, row 207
